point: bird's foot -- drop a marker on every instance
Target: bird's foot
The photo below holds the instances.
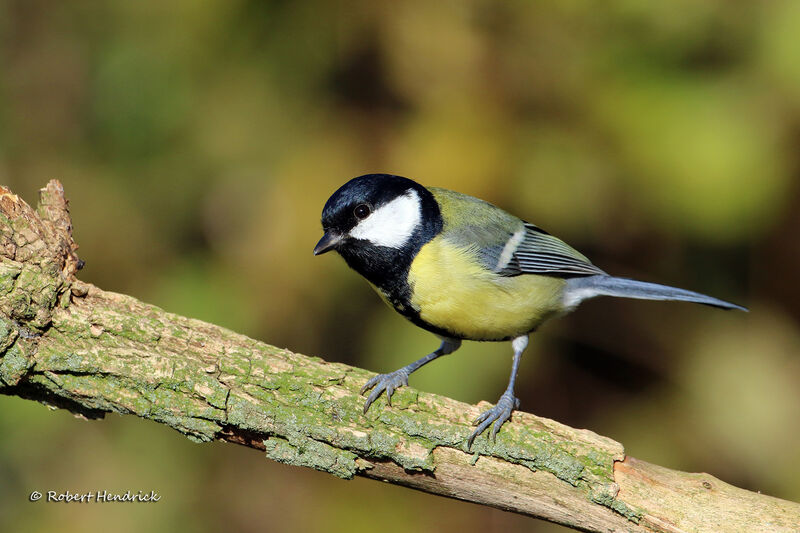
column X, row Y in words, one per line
column 498, row 414
column 384, row 382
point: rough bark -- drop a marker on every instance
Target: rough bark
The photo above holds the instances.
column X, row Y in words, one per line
column 71, row 345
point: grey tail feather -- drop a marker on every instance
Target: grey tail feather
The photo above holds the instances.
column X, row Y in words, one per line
column 582, row 288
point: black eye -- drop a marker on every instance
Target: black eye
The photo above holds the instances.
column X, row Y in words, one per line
column 361, row 211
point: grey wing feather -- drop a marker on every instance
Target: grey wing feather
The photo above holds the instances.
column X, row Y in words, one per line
column 508, row 245
column 541, row 253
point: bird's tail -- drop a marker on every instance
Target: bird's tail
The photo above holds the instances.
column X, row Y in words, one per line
column 582, row 288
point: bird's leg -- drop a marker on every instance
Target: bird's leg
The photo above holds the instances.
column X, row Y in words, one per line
column 393, row 380
column 501, row 412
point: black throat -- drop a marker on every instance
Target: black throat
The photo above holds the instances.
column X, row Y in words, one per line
column 387, row 268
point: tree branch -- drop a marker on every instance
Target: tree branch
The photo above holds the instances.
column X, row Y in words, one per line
column 71, row 345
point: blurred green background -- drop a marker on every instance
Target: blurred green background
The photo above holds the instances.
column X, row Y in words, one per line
column 198, row 141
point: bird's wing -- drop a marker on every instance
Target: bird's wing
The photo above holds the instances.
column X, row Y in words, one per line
column 537, row 252
column 504, row 243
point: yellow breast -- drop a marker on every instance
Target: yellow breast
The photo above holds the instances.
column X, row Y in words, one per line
column 453, row 291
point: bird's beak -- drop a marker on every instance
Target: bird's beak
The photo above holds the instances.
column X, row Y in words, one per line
column 328, row 242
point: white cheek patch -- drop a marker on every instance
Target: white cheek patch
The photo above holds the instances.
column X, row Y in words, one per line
column 391, row 225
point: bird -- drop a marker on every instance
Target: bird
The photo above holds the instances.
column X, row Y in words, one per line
column 464, row 269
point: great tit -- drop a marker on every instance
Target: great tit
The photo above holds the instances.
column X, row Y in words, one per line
column 464, row 269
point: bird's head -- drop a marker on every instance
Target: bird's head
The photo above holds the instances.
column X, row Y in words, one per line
column 377, row 214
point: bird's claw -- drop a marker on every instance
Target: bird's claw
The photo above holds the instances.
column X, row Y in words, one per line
column 498, row 414
column 384, row 382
